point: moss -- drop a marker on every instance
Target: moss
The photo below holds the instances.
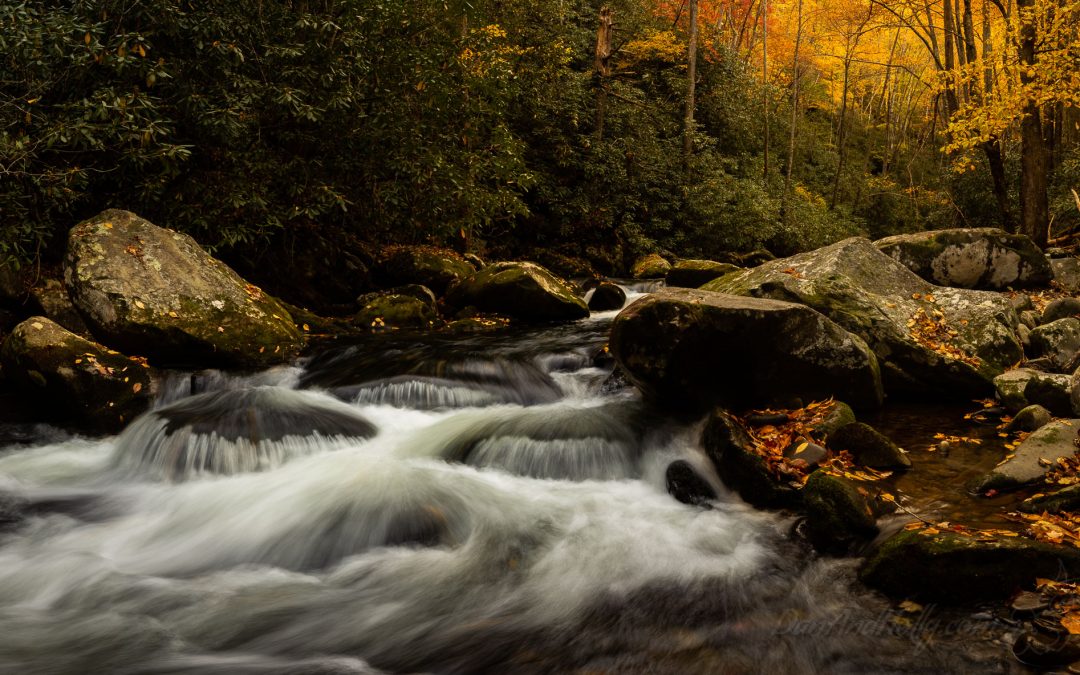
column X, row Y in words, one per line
column 838, row 513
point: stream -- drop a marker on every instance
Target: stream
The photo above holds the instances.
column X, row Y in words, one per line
column 489, row 503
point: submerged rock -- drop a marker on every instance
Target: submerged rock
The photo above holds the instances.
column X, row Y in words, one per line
column 651, row 266
column 741, row 468
column 521, row 290
column 1033, row 457
column 154, row 292
column 693, row 349
column 869, row 447
column 236, row 431
column 437, row 269
column 928, row 339
column 953, row 568
column 607, row 296
column 838, row 513
column 693, row 273
column 985, row 257
column 102, row 388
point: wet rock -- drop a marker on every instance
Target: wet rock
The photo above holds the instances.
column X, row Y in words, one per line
column 520, row 290
column 1033, row 457
column 651, row 266
column 236, row 431
column 1027, row 604
column 693, row 349
column 52, row 298
column 1046, row 649
column 435, row 268
column 1058, row 341
column 1067, row 273
column 607, row 296
column 101, row 388
column 811, row 454
column 950, row 568
column 1065, row 499
column 1031, row 418
column 1014, row 386
column 1062, row 308
column 691, row 273
column 731, row 451
column 150, row 291
column 877, row 298
column 685, row 485
column 988, row 258
column 869, row 447
column 838, row 513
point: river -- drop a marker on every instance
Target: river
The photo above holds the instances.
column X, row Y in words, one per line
column 493, row 503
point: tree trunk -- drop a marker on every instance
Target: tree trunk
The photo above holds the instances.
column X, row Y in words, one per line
column 765, row 80
column 840, row 131
column 785, row 210
column 1034, row 206
column 951, row 101
column 691, row 74
column 602, row 67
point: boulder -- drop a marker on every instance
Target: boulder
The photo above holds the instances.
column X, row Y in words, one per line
column 417, row 291
column 1033, row 457
column 395, row 310
column 869, row 447
column 74, row 376
column 984, row 257
column 1058, row 341
column 52, row 298
column 566, row 266
column 1065, row 499
column 1030, row 318
column 693, row 349
column 685, row 484
column 436, row 268
column 952, row 568
column 693, row 273
column 839, row 415
column 1062, row 308
column 838, row 513
column 651, row 266
column 154, row 292
column 1020, row 387
column 521, row 290
column 1067, row 273
column 928, row 339
column 607, row 296
column 1029, row 419
column 742, row 469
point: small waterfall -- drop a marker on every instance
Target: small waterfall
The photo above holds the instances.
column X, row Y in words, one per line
column 235, row 431
column 419, row 393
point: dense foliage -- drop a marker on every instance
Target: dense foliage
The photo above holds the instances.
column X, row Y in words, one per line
column 472, row 124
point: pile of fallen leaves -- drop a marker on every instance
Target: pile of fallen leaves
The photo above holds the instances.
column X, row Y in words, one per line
column 1064, row 598
column 1040, row 299
column 931, row 330
column 929, row 529
column 1052, row 528
column 1064, row 470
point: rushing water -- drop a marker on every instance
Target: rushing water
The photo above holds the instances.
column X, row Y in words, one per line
column 489, row 504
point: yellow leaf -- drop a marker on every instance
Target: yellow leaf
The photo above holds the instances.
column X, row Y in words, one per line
column 137, row 387
column 139, row 304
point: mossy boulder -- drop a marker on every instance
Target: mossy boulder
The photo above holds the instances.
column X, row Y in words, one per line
column 436, row 268
column 520, row 290
column 1065, row 499
column 984, row 257
column 953, row 568
column 694, row 273
column 692, row 349
column 839, row 513
column 1036, row 455
column 929, row 339
column 396, row 310
column 606, row 297
column 1067, row 273
column 651, row 266
column 1020, row 387
column 839, row 415
column 742, row 469
column 74, row 376
column 150, row 291
column 1058, row 341
column 868, row 447
column 1029, row 419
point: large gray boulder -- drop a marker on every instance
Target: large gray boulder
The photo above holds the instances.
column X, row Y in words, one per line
column 75, row 376
column 522, row 290
column 1067, row 273
column 694, row 349
column 150, row 291
column 984, row 257
column 1058, row 342
column 927, row 338
column 1033, row 457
